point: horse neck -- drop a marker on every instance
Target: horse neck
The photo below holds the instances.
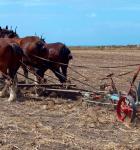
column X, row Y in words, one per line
column 17, row 40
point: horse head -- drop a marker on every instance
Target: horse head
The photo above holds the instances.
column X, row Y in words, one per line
column 65, row 53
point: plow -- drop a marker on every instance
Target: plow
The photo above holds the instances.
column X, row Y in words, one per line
column 126, row 104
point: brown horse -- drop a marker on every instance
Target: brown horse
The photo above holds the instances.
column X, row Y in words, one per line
column 10, row 57
column 31, row 46
column 58, row 59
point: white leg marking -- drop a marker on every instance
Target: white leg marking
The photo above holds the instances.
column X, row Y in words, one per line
column 12, row 96
column 35, row 80
column 36, row 88
column 26, row 81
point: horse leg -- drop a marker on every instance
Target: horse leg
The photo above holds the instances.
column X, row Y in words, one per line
column 40, row 73
column 59, row 75
column 12, row 87
column 64, row 71
column 3, row 91
column 36, row 83
column 25, row 71
column 12, row 91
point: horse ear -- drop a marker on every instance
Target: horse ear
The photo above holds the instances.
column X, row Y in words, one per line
column 15, row 29
column 0, row 28
column 6, row 27
column 42, row 38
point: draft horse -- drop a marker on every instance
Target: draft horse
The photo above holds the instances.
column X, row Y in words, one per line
column 31, row 46
column 10, row 57
column 57, row 60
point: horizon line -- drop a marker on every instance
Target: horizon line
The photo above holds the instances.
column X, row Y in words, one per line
column 108, row 45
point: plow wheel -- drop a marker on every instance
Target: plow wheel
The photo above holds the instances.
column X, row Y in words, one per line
column 126, row 109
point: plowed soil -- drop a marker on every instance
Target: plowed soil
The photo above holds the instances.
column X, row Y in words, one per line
column 60, row 123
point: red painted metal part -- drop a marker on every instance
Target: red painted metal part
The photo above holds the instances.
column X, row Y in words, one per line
column 124, row 110
column 126, row 107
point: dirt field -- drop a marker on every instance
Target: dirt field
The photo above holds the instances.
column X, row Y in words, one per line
column 60, row 123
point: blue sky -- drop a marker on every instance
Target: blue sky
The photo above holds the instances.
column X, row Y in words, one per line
column 75, row 22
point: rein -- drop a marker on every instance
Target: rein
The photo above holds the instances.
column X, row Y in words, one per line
column 27, row 77
column 83, row 83
column 6, row 76
column 33, row 72
column 119, row 75
column 52, row 77
column 44, row 59
column 57, row 62
column 81, row 74
column 123, row 66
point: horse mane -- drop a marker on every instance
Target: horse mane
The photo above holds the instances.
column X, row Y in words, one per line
column 35, row 37
column 5, row 32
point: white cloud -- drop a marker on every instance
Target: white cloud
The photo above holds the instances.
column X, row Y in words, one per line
column 91, row 15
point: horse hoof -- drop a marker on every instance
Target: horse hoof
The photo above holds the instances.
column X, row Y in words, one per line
column 11, row 99
column 1, row 94
column 37, row 95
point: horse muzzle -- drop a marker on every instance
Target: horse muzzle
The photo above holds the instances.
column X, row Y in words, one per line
column 70, row 56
